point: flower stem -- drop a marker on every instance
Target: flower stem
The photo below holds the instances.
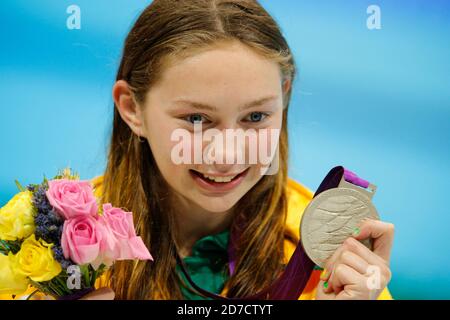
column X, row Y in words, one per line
column 32, row 294
column 63, row 285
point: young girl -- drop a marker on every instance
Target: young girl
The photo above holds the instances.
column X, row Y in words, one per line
column 224, row 65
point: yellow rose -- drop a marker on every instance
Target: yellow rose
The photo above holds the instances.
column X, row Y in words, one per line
column 17, row 217
column 35, row 260
column 10, row 282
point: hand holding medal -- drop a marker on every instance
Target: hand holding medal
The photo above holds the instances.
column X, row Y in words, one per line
column 341, row 232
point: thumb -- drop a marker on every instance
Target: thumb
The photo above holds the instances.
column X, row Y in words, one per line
column 382, row 234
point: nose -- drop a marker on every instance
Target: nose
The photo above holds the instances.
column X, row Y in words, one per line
column 225, row 155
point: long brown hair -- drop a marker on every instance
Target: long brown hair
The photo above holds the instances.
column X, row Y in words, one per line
column 173, row 29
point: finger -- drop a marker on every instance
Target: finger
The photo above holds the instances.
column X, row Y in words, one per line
column 358, row 249
column 343, row 276
column 100, row 294
column 321, row 294
column 326, row 273
column 349, row 258
column 381, row 232
column 362, row 251
column 354, row 261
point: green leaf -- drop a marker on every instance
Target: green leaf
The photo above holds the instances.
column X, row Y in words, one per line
column 85, row 272
column 19, row 186
column 4, row 248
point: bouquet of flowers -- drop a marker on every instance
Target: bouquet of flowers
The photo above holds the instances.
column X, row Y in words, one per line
column 55, row 237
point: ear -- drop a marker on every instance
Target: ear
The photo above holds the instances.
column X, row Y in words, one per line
column 286, row 86
column 128, row 108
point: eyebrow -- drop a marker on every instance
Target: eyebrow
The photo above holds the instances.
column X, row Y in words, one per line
column 202, row 106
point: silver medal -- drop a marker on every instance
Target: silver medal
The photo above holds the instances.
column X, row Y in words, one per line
column 331, row 217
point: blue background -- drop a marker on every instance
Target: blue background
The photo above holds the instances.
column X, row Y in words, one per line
column 375, row 101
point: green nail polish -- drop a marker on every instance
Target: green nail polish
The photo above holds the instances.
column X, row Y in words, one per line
column 356, row 231
column 325, row 284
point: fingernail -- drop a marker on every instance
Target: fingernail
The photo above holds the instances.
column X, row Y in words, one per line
column 325, row 284
column 324, row 274
column 356, row 231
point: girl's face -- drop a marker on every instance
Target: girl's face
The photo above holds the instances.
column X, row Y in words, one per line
column 216, row 89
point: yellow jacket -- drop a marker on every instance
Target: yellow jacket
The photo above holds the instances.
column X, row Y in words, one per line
column 298, row 198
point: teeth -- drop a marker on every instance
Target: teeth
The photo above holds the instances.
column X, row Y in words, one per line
column 219, row 179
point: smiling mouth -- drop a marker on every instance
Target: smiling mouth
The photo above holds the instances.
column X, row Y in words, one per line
column 218, row 179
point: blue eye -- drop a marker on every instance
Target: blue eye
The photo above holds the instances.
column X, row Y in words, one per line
column 195, row 118
column 256, row 116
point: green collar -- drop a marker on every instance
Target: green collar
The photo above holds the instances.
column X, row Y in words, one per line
column 207, row 265
column 212, row 243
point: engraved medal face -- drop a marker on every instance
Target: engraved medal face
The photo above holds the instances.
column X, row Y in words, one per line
column 330, row 218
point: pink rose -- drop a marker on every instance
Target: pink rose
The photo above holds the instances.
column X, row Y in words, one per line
column 72, row 198
column 120, row 224
column 85, row 240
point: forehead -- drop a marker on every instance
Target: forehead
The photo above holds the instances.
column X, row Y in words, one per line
column 226, row 72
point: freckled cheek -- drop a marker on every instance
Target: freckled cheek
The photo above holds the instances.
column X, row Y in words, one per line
column 261, row 147
column 175, row 168
column 161, row 147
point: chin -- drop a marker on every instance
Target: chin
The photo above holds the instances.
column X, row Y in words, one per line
column 215, row 204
